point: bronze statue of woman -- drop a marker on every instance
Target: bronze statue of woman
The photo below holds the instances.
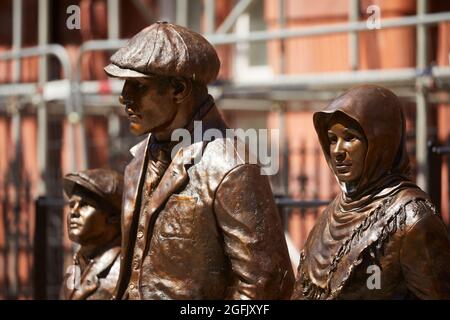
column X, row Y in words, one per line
column 381, row 237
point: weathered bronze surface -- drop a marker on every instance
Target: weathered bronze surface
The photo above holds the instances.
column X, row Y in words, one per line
column 381, row 224
column 202, row 224
column 95, row 198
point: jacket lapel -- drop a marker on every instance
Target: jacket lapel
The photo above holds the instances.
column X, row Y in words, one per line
column 133, row 179
column 175, row 176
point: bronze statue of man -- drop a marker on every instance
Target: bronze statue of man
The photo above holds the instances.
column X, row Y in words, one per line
column 95, row 200
column 381, row 237
column 203, row 223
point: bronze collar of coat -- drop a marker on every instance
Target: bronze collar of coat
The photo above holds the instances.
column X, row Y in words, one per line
column 91, row 269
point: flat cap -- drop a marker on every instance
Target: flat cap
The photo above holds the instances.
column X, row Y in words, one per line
column 166, row 49
column 105, row 185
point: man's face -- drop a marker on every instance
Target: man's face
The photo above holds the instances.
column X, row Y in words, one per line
column 86, row 223
column 149, row 108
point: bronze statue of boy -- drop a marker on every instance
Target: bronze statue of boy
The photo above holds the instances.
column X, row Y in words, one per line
column 95, row 198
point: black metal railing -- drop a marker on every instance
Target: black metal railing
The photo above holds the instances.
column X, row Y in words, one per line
column 48, row 248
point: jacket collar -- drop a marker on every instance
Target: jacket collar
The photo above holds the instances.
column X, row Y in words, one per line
column 134, row 150
column 89, row 281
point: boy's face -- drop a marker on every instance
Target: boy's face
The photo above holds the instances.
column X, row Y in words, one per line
column 86, row 223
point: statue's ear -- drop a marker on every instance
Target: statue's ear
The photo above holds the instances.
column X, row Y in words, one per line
column 182, row 88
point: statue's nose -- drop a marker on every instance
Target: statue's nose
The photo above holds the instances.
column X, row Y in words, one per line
column 126, row 102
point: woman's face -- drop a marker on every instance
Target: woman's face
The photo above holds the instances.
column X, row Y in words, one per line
column 348, row 148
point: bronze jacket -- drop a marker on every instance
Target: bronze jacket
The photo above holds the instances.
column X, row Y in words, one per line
column 210, row 228
column 94, row 279
column 400, row 251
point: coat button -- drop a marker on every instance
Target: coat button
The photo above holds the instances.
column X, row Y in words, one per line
column 131, row 286
column 140, row 234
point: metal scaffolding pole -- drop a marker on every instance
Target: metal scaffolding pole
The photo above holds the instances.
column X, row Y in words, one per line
column 235, row 13
column 16, row 72
column 219, row 39
column 421, row 100
column 167, row 10
column 210, row 16
column 353, row 36
column 282, row 24
column 17, row 37
column 182, row 13
column 283, row 106
column 43, row 16
column 12, row 238
column 113, row 19
column 113, row 34
column 339, row 80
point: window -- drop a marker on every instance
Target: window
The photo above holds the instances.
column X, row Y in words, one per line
column 251, row 58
